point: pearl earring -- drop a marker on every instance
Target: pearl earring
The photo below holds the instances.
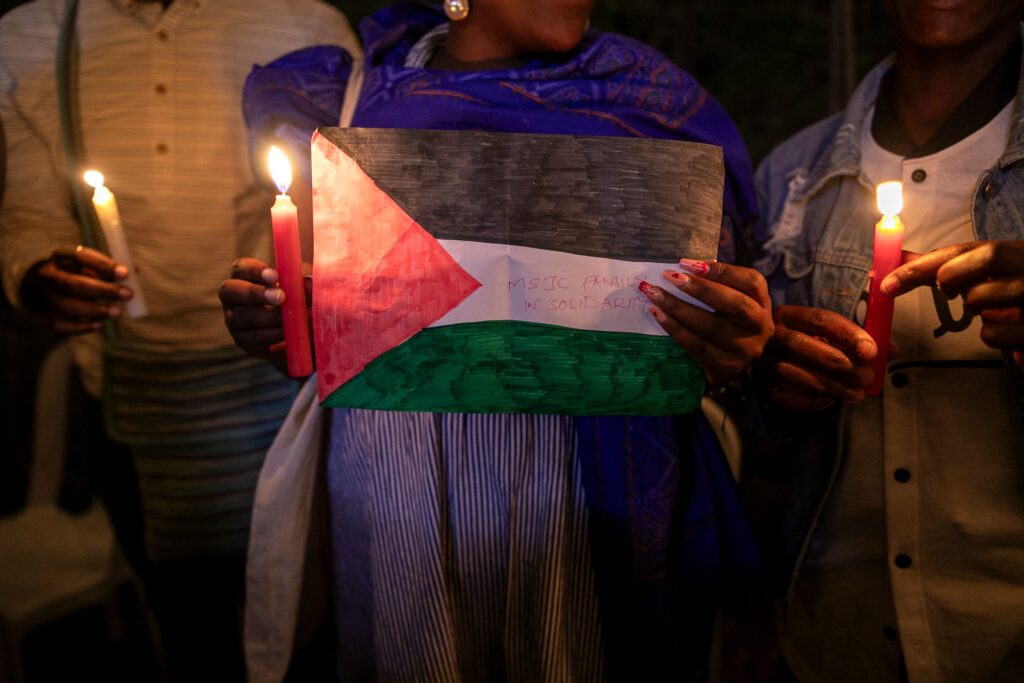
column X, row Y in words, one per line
column 457, row 10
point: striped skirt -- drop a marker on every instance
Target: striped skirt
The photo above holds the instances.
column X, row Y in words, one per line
column 460, row 549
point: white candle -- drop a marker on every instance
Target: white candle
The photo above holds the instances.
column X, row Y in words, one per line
column 113, row 232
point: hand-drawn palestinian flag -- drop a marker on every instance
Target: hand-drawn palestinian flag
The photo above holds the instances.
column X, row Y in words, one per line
column 485, row 272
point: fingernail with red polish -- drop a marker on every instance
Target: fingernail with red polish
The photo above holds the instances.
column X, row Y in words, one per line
column 656, row 312
column 274, row 295
column 120, row 272
column 124, row 294
column 651, row 292
column 269, row 276
column 695, row 267
column 677, row 278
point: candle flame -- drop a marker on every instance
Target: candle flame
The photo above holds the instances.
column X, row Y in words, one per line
column 890, row 198
column 93, row 178
column 280, row 170
column 889, row 223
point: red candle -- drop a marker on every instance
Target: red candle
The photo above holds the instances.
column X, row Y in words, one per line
column 888, row 254
column 288, row 255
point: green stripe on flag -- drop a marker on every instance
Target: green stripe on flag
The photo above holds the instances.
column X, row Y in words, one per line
column 517, row 367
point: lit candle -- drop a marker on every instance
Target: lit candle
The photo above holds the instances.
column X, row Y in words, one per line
column 288, row 255
column 113, row 233
column 888, row 254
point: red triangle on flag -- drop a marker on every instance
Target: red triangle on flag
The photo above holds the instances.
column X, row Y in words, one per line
column 378, row 276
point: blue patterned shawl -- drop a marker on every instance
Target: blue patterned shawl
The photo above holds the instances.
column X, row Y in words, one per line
column 666, row 525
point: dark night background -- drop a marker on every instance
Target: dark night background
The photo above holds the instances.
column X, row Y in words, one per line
column 776, row 66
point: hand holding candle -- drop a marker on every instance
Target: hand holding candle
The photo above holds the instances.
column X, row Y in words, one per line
column 887, row 255
column 105, row 204
column 287, row 252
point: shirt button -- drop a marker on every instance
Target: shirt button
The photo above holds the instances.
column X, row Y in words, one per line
column 919, row 175
column 890, row 633
column 900, row 379
column 902, row 475
column 903, row 561
column 161, row 148
column 160, row 88
column 162, row 34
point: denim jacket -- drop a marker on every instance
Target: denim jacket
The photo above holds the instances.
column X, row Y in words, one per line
column 818, row 212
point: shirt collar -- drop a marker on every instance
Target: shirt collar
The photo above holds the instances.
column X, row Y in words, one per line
column 130, row 7
column 989, row 98
column 842, row 156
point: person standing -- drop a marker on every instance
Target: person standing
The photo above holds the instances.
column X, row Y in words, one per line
column 604, row 543
column 158, row 88
column 903, row 557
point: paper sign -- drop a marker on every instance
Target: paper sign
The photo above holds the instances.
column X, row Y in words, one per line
column 487, row 272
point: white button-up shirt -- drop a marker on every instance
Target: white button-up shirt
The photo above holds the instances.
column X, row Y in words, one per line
column 160, row 96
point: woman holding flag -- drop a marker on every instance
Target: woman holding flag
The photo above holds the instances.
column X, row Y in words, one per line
column 534, row 547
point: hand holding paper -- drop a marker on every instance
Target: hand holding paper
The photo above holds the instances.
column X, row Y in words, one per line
column 727, row 339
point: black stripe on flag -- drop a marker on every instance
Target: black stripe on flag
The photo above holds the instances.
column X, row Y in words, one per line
column 621, row 198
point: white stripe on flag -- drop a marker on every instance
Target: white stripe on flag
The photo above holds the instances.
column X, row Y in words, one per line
column 556, row 288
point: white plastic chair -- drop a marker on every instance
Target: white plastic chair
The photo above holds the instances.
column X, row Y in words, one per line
column 52, row 563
